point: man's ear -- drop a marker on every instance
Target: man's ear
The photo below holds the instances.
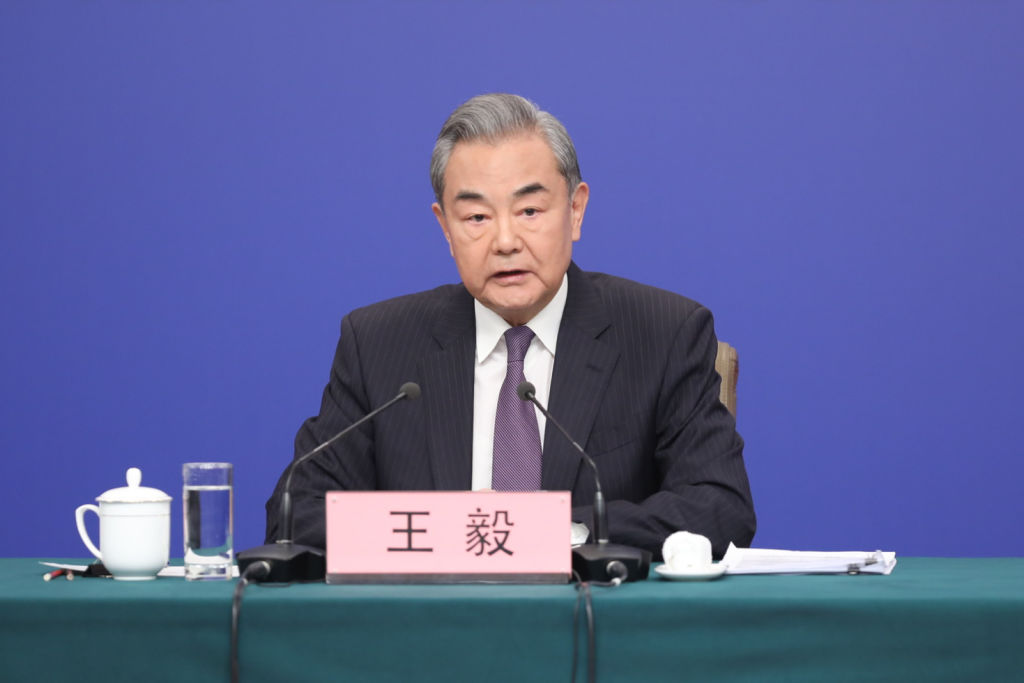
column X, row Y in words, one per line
column 439, row 215
column 579, row 206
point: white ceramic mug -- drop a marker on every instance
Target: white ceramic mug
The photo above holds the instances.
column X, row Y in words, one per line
column 135, row 529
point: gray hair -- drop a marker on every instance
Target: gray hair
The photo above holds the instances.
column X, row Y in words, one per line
column 495, row 117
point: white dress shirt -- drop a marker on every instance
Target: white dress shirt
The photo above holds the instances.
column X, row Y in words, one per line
column 489, row 374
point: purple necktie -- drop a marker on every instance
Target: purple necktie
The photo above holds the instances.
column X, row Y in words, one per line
column 516, row 435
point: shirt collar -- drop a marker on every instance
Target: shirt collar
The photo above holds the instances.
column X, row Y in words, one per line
column 490, row 326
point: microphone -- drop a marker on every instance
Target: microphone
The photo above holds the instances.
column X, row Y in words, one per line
column 601, row 560
column 289, row 561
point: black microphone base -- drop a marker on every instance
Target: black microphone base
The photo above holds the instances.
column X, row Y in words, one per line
column 289, row 562
column 591, row 562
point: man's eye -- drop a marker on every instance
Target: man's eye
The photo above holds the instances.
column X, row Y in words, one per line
column 530, row 212
column 476, row 218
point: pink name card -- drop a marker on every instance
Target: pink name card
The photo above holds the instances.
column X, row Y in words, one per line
column 448, row 537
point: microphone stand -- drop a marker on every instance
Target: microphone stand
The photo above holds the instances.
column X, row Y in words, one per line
column 601, row 560
column 289, row 561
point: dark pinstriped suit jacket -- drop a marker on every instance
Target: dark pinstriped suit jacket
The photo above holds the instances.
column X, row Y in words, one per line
column 634, row 382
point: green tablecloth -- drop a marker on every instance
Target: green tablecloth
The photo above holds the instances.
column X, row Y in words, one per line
column 932, row 619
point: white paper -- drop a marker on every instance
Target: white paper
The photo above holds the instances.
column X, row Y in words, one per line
column 73, row 567
column 764, row 561
column 174, row 571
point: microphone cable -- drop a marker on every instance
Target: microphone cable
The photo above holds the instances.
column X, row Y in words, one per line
column 256, row 571
column 583, row 595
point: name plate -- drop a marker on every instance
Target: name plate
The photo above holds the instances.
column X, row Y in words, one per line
column 448, row 537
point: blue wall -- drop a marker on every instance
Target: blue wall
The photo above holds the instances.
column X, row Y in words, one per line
column 192, row 194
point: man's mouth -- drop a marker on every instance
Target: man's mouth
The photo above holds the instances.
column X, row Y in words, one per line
column 512, row 275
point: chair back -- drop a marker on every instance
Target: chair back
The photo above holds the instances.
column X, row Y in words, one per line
column 727, row 363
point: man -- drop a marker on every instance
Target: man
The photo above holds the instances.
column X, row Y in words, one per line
column 628, row 369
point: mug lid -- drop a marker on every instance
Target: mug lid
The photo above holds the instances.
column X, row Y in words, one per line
column 133, row 493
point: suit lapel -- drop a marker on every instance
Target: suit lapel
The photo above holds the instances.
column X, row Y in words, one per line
column 583, row 367
column 448, row 392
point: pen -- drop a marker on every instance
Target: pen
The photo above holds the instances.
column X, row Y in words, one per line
column 54, row 574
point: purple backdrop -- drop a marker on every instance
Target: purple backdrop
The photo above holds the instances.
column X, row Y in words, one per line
column 192, row 194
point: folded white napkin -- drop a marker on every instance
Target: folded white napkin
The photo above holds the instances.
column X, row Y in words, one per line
column 686, row 551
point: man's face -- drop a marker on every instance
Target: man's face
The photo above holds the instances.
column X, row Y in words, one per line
column 509, row 223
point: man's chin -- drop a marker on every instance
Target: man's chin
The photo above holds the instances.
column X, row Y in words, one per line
column 516, row 304
column 515, row 313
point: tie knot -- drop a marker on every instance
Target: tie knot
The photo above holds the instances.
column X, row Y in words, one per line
column 517, row 340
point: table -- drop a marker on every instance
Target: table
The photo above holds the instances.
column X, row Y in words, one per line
column 944, row 619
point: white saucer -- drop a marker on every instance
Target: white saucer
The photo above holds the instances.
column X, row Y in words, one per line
column 705, row 573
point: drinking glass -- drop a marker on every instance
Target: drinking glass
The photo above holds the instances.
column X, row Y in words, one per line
column 207, row 499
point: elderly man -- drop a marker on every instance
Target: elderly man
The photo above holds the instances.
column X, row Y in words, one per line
column 626, row 368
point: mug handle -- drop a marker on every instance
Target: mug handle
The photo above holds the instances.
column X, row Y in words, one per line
column 80, row 520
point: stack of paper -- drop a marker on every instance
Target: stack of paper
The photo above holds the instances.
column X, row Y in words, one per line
column 761, row 561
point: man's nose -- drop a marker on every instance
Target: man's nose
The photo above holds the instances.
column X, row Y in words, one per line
column 506, row 237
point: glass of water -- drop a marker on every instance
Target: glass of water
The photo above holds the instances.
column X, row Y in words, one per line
column 209, row 520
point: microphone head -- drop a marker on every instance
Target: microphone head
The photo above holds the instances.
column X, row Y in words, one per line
column 411, row 390
column 526, row 390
